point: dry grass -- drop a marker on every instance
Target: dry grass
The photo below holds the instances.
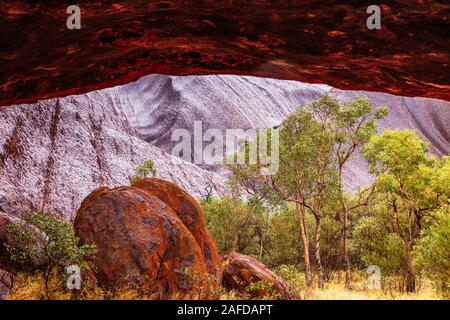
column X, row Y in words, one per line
column 31, row 287
column 337, row 291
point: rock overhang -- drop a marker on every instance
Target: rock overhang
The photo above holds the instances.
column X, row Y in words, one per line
column 309, row 41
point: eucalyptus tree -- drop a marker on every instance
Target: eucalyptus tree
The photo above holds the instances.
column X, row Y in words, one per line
column 415, row 184
column 306, row 177
column 351, row 124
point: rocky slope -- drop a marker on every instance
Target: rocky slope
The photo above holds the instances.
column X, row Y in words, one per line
column 55, row 152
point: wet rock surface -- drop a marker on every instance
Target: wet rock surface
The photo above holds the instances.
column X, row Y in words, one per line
column 190, row 213
column 311, row 41
column 55, row 152
column 142, row 244
column 241, row 272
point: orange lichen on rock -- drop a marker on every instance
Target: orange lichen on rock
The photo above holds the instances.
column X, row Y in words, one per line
column 143, row 244
column 190, row 213
column 242, row 272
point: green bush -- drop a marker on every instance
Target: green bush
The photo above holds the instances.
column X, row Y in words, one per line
column 377, row 244
column 283, row 245
column 432, row 253
column 225, row 217
column 52, row 242
column 143, row 171
column 295, row 279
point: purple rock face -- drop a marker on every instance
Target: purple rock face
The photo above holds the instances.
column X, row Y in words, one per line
column 55, row 152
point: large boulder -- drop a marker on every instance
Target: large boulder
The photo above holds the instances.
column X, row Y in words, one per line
column 246, row 274
column 142, row 244
column 190, row 213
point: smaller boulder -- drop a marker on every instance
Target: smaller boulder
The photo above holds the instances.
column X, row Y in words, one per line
column 246, row 274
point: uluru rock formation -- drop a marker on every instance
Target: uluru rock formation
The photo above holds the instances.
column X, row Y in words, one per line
column 55, row 152
column 313, row 41
column 143, row 244
column 241, row 272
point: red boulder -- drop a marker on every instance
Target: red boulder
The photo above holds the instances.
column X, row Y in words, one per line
column 190, row 213
column 243, row 273
column 142, row 243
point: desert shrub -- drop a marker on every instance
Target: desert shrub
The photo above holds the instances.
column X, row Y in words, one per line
column 145, row 169
column 231, row 225
column 263, row 289
column 378, row 245
column 432, row 253
column 198, row 286
column 283, row 244
column 52, row 242
column 295, row 279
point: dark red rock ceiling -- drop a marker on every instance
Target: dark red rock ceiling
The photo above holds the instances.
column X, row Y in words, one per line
column 313, row 41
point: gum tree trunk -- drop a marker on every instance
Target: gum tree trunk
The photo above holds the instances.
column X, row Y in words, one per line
column 348, row 269
column 304, row 237
column 320, row 277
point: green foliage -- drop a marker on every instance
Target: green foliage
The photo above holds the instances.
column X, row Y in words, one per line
column 48, row 245
column 295, row 279
column 331, row 246
column 283, row 244
column 405, row 172
column 432, row 252
column 315, row 143
column 386, row 219
column 41, row 237
column 225, row 217
column 221, row 222
column 143, row 171
column 352, row 123
column 262, row 289
column 395, row 152
column 414, row 185
column 270, row 235
column 377, row 245
column 306, row 148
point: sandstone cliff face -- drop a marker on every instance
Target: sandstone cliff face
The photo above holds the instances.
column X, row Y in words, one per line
column 156, row 105
column 55, row 152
